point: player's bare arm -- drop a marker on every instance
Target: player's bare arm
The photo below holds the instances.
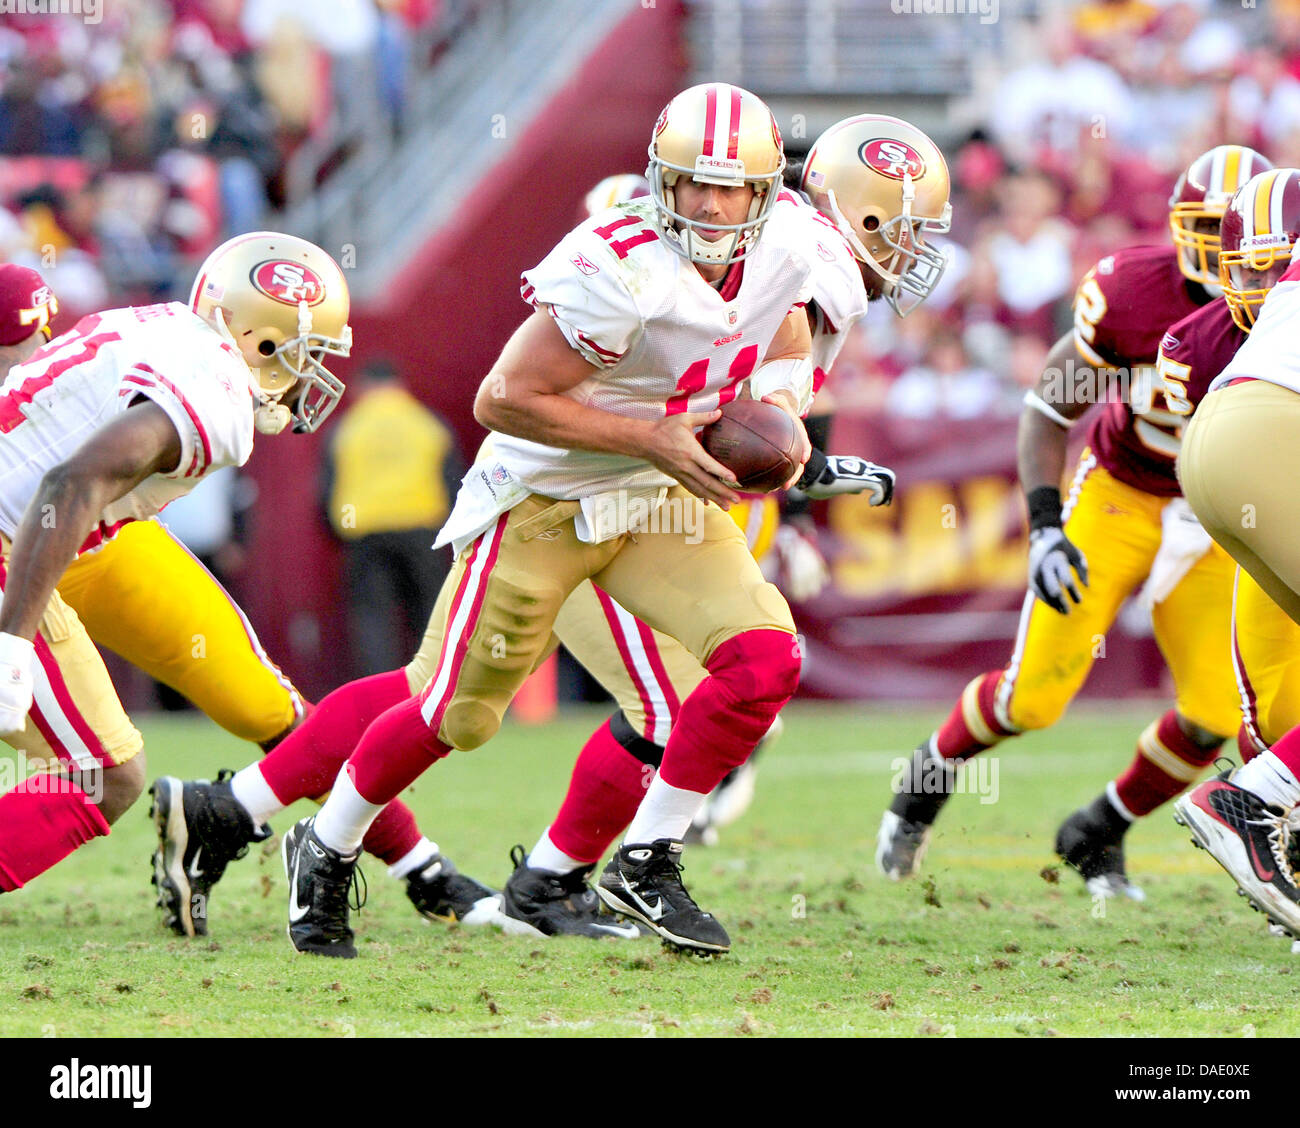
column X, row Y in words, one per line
column 524, row 396
column 117, row 458
column 1066, row 389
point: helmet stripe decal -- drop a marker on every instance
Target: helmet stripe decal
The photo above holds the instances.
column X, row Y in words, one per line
column 733, row 134
column 1277, row 193
column 1260, row 210
column 1215, row 181
column 1231, row 170
column 710, row 119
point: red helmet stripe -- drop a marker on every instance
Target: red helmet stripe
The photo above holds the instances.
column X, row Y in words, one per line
column 710, row 119
column 733, row 137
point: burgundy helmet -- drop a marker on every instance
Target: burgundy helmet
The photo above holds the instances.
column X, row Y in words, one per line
column 1259, row 231
column 1201, row 194
column 27, row 304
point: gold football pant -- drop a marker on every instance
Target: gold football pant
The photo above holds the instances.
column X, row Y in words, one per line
column 494, row 618
column 1239, row 465
column 76, row 715
column 648, row 673
column 1266, row 654
column 146, row 598
column 1117, row 528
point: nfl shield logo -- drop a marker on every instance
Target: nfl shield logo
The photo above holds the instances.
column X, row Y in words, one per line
column 500, row 475
column 732, row 315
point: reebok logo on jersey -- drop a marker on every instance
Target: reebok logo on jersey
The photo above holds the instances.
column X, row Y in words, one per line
column 585, row 264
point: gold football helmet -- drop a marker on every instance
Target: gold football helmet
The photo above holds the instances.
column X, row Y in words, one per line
column 715, row 134
column 884, row 184
column 1198, row 203
column 1259, row 232
column 283, row 302
column 617, row 189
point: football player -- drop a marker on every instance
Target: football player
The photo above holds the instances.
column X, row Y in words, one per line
column 1258, row 231
column 144, row 595
column 646, row 321
column 1087, row 555
column 649, row 673
column 101, row 427
column 880, row 187
column 1236, row 468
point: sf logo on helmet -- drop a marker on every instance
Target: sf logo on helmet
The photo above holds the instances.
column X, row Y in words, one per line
column 288, row 282
column 891, row 157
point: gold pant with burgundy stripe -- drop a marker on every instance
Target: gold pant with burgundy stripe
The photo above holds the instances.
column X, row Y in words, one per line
column 495, row 616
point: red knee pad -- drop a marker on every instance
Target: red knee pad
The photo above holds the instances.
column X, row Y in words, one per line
column 750, row 678
column 758, row 667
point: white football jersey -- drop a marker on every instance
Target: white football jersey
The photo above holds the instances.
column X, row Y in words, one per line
column 839, row 296
column 1269, row 352
column 662, row 340
column 72, row 386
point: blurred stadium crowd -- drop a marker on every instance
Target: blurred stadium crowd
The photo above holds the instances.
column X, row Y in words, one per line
column 129, row 147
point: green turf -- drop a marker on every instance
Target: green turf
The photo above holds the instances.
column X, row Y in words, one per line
column 995, row 940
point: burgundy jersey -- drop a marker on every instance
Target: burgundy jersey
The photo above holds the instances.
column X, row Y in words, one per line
column 1138, row 441
column 1126, row 302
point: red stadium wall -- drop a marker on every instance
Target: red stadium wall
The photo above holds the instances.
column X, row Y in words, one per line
column 445, row 317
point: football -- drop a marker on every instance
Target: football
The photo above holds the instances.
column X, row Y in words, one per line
column 757, row 442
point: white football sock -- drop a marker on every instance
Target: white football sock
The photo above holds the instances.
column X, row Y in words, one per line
column 1112, row 794
column 546, row 855
column 254, row 794
column 418, row 855
column 1271, row 780
column 342, row 823
column 665, row 812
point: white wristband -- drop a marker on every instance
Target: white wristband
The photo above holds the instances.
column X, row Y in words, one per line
column 792, row 376
column 1034, row 400
column 16, row 651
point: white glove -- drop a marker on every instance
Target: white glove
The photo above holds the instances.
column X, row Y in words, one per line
column 803, row 570
column 845, row 474
column 1051, row 556
column 16, row 656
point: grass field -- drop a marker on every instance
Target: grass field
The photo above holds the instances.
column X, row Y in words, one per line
column 995, row 941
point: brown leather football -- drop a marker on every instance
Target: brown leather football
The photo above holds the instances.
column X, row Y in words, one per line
column 757, row 442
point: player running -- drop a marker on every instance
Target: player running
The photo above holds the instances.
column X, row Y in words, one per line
column 880, row 187
column 1122, row 518
column 557, row 898
column 145, row 596
column 101, row 427
column 644, row 326
column 1238, row 460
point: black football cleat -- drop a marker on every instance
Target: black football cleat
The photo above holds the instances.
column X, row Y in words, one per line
column 320, row 880
column 202, row 828
column 644, row 881
column 538, row 902
column 1092, row 841
column 921, row 791
column 1248, row 838
column 439, row 891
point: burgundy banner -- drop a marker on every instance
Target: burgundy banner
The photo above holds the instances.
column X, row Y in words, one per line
column 928, row 592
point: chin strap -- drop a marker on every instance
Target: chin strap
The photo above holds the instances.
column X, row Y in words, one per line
column 271, row 417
